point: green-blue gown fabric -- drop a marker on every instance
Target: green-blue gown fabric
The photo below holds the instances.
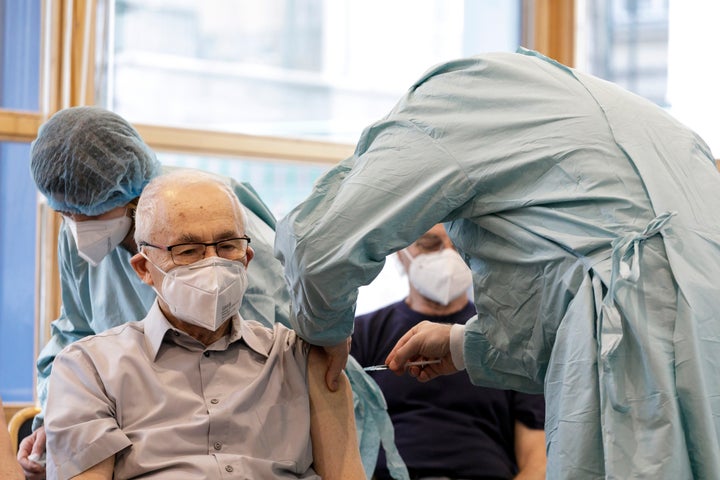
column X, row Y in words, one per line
column 591, row 221
column 97, row 298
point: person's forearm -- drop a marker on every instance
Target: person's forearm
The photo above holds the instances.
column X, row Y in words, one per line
column 530, row 452
column 531, row 473
column 101, row 471
column 9, row 468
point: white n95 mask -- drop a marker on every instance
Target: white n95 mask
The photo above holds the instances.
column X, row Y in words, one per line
column 440, row 276
column 205, row 293
column 96, row 238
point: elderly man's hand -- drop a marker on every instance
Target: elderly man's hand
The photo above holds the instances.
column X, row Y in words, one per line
column 425, row 341
column 32, row 444
column 337, row 358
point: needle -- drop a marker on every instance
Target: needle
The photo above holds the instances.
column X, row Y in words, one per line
column 376, row 368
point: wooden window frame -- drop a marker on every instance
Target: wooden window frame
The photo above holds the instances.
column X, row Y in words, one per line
column 551, row 28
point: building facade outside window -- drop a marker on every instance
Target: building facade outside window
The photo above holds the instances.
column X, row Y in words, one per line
column 663, row 50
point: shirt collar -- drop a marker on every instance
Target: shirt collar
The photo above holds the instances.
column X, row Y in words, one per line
column 256, row 336
column 157, row 326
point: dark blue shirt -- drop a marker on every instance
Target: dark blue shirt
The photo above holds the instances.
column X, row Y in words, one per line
column 447, row 426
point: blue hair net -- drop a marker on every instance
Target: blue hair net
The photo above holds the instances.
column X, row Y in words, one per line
column 89, row 160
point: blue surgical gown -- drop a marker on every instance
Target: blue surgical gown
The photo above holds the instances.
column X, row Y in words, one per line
column 97, row 298
column 591, row 221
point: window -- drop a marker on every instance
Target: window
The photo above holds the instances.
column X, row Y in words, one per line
column 279, row 89
column 19, row 54
column 17, row 273
column 309, row 69
column 19, row 90
column 282, row 185
column 659, row 49
column 320, row 69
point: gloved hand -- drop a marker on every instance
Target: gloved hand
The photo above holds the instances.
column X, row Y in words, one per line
column 425, row 341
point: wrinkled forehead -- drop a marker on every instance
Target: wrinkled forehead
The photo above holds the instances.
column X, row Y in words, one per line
column 197, row 214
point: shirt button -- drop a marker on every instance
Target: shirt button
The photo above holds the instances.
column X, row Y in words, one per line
column 214, row 401
column 228, row 468
column 207, row 354
column 218, row 445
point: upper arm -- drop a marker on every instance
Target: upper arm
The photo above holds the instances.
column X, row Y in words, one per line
column 336, row 454
column 101, row 471
column 328, row 252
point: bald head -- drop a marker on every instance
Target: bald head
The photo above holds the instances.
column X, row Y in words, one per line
column 184, row 204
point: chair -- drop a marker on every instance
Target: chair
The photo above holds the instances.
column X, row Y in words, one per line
column 20, row 425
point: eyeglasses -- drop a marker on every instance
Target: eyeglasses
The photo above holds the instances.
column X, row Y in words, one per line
column 187, row 253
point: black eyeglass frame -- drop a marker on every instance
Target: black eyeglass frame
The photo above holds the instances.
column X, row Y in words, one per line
column 204, row 244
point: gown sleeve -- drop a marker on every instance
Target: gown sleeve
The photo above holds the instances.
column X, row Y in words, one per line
column 400, row 182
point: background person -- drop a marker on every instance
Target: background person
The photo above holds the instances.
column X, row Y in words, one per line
column 589, row 217
column 194, row 390
column 438, row 423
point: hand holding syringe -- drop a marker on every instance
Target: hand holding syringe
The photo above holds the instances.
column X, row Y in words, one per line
column 420, row 363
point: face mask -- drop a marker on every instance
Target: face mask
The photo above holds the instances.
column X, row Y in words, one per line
column 205, row 293
column 96, row 238
column 440, row 276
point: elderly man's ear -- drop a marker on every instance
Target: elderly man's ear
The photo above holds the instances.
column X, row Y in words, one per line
column 141, row 266
column 249, row 255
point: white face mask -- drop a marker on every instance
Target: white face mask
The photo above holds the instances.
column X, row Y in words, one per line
column 440, row 276
column 96, row 238
column 205, row 293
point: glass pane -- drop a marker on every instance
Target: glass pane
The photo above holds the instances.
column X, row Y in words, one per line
column 281, row 185
column 19, row 54
column 320, row 69
column 627, row 43
column 662, row 50
column 694, row 68
column 17, row 273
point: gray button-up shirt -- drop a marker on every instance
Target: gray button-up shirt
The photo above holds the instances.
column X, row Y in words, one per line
column 169, row 407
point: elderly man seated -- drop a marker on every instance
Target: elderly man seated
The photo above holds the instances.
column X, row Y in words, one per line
column 194, row 390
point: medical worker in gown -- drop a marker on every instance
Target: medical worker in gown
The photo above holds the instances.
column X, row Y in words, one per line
column 591, row 221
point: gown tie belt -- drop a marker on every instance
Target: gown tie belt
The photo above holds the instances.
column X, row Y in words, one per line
column 626, row 253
